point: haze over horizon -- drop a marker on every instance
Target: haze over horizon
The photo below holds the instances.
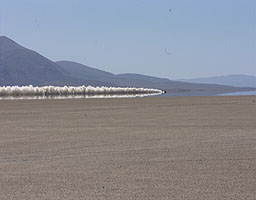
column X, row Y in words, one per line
column 196, row 39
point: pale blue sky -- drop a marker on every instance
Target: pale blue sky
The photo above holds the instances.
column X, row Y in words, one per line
column 199, row 38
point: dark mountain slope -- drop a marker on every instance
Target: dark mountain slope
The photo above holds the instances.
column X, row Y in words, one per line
column 7, row 44
column 21, row 66
column 82, row 71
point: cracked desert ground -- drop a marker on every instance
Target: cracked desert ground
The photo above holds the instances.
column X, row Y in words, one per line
column 134, row 148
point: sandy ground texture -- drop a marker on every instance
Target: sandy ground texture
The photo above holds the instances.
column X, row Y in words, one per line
column 142, row 148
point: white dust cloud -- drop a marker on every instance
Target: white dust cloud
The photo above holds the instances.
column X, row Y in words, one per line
column 54, row 91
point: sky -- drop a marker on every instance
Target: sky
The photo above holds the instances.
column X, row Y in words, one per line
column 165, row 38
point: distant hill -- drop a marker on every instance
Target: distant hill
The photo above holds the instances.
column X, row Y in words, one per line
column 22, row 66
column 142, row 77
column 77, row 70
column 236, row 80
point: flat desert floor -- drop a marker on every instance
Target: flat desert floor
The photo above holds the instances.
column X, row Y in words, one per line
column 139, row 148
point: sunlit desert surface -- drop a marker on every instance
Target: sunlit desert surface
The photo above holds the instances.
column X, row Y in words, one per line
column 140, row 148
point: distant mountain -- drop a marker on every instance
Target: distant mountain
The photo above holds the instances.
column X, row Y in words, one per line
column 77, row 70
column 142, row 77
column 6, row 44
column 236, row 80
column 21, row 66
column 89, row 74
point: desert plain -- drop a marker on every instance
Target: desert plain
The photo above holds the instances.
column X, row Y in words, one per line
column 132, row 148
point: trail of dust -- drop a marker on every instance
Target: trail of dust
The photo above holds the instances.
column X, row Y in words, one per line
column 16, row 91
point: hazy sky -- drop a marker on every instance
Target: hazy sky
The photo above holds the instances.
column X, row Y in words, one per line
column 198, row 38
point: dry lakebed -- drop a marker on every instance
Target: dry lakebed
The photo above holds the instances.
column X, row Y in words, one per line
column 132, row 148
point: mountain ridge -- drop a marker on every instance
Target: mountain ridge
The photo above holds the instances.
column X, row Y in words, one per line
column 8, row 44
column 22, row 66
